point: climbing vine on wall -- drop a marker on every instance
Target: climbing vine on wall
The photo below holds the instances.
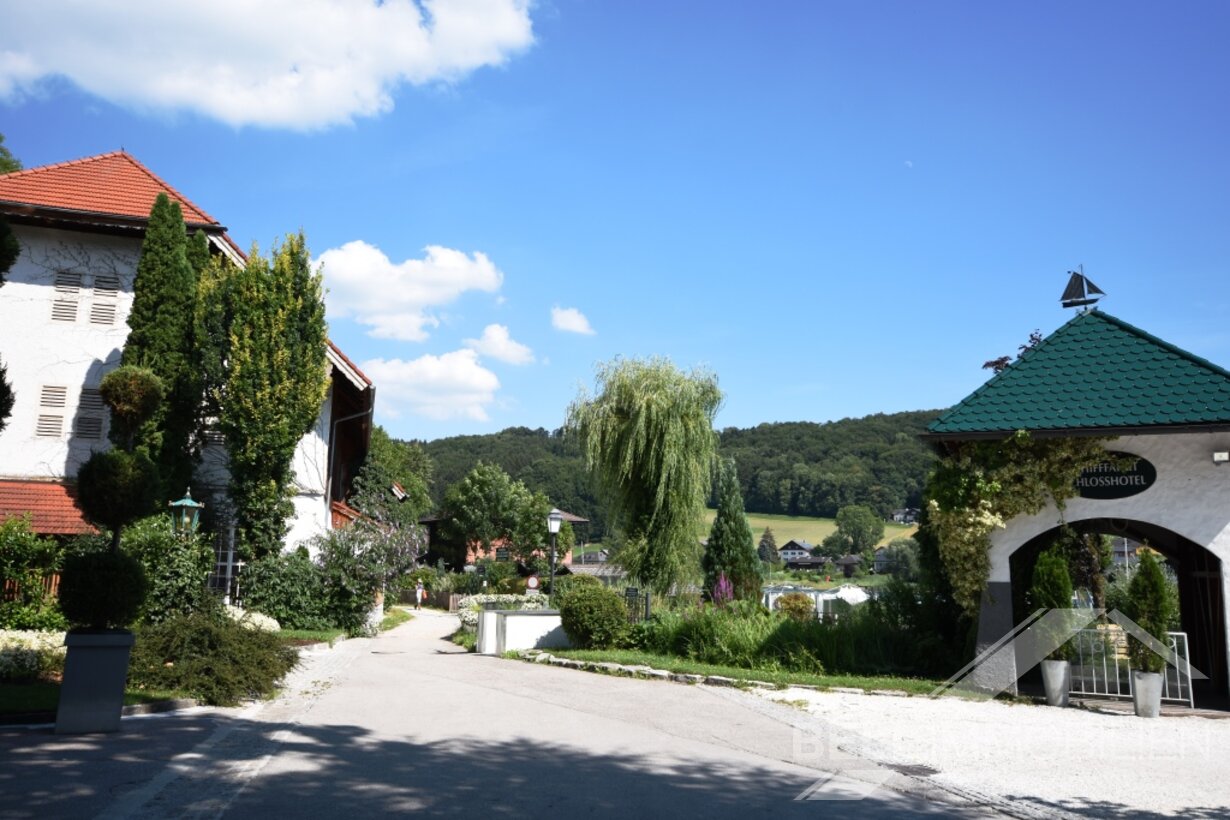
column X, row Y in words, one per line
column 979, row 486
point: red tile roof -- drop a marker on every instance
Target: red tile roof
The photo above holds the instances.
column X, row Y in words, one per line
column 114, row 184
column 52, row 506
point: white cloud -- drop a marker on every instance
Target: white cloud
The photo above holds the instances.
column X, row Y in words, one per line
column 498, row 344
column 450, row 386
column 394, row 298
column 571, row 320
column 297, row 64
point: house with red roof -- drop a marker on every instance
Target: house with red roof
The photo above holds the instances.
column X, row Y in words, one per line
column 63, row 325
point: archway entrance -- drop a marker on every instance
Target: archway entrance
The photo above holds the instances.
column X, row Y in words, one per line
column 1201, row 600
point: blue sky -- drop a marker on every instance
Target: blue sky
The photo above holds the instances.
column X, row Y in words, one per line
column 841, row 208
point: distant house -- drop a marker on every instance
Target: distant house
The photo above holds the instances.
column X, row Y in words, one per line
column 795, row 551
column 848, row 563
column 881, row 563
column 908, row 515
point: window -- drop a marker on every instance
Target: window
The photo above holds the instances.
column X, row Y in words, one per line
column 63, row 310
column 49, row 426
column 89, row 427
column 53, row 396
column 102, row 313
column 106, row 286
column 68, row 283
column 91, row 414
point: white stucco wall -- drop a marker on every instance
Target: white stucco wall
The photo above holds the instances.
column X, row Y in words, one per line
column 39, row 351
column 1191, row 497
column 311, row 470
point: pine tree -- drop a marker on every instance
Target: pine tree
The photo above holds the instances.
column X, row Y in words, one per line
column 161, row 337
column 9, row 251
column 767, row 549
column 276, row 379
column 730, row 551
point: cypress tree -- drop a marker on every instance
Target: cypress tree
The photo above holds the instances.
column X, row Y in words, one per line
column 161, row 337
column 9, row 251
column 731, row 550
column 276, row 378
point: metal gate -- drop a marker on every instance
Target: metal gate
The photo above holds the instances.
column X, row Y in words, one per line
column 1101, row 669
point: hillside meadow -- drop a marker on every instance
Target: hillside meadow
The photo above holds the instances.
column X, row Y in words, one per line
column 800, row 528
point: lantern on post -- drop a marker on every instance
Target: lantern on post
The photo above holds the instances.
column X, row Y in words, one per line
column 185, row 514
column 554, row 519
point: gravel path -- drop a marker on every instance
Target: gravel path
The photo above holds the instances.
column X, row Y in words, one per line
column 1045, row 761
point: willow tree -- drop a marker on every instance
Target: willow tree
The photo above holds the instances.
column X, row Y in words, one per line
column 276, row 377
column 649, row 442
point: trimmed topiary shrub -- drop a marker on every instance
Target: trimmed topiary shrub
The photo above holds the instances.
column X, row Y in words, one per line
column 210, row 657
column 102, row 590
column 566, row 583
column 1150, row 606
column 115, row 487
column 1051, row 588
column 797, row 606
column 594, row 617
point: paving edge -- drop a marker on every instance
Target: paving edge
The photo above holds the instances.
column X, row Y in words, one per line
column 648, row 673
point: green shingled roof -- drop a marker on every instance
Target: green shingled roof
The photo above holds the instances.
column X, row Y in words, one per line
column 1094, row 373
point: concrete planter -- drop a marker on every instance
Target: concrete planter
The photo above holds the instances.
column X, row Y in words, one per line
column 95, row 671
column 1057, row 680
column 1147, row 693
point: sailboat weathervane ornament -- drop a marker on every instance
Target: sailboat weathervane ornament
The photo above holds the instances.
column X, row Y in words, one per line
column 1080, row 291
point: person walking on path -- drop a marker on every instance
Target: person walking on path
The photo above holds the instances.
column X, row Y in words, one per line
column 418, row 595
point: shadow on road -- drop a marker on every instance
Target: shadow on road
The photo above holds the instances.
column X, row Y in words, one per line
column 346, row 771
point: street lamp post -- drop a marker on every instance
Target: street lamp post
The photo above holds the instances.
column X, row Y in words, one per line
column 185, row 514
column 554, row 519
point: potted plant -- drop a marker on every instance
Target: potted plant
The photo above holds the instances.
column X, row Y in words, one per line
column 1151, row 608
column 1051, row 589
column 101, row 591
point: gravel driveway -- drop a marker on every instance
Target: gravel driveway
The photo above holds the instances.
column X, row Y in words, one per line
column 1046, row 761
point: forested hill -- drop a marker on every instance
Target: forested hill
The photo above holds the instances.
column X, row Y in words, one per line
column 804, row 468
column 794, row 468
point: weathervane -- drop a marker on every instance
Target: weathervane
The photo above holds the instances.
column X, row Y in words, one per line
column 1080, row 291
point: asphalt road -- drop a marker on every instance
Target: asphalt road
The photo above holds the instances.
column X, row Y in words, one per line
column 408, row 723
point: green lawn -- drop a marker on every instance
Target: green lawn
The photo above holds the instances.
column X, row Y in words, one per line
column 304, row 636
column 631, row 657
column 801, row 528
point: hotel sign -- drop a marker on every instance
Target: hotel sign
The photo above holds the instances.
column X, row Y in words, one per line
column 1121, row 476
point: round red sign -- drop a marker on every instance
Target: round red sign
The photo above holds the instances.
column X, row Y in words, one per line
column 531, row 582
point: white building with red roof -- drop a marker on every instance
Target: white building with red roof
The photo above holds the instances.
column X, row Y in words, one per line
column 63, row 314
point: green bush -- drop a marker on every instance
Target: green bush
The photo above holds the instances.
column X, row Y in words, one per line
column 26, row 560
column 102, row 590
column 797, row 606
column 594, row 617
column 1150, row 607
column 289, row 588
column 210, row 657
column 566, row 583
column 177, row 566
column 1051, row 588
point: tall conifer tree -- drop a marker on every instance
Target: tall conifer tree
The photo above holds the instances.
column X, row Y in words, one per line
column 730, row 550
column 9, row 251
column 275, row 380
column 161, row 337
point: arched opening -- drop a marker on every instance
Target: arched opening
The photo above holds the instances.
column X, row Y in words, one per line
column 1199, row 574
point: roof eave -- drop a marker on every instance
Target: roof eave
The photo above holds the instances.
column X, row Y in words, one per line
column 1081, row 432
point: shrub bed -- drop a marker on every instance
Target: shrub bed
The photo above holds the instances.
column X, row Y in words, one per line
column 27, row 655
column 469, row 606
column 210, row 657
